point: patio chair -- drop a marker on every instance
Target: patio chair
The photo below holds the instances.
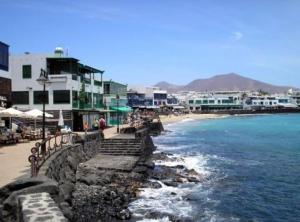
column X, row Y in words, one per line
column 6, row 137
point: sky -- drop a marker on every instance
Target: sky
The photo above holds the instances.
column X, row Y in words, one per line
column 147, row 41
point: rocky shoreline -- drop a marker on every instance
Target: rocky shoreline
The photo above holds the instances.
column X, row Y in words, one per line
column 105, row 195
column 170, row 176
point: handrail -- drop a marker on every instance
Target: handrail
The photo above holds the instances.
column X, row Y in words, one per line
column 52, row 144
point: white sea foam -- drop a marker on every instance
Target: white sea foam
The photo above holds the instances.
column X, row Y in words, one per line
column 164, row 219
column 197, row 162
column 162, row 200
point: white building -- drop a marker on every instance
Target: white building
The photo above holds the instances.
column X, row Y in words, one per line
column 206, row 102
column 5, row 78
column 73, row 87
column 270, row 101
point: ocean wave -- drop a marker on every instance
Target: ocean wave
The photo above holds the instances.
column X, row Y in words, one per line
column 164, row 219
column 197, row 162
column 165, row 200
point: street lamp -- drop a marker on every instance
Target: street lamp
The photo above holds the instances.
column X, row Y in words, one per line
column 118, row 120
column 43, row 80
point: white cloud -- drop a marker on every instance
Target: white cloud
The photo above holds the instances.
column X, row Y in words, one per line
column 237, row 35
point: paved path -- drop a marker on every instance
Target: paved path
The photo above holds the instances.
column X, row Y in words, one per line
column 14, row 161
column 14, row 158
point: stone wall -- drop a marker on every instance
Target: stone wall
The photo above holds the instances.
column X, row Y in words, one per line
column 57, row 176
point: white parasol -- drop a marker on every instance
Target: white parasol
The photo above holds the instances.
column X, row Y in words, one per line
column 35, row 113
column 61, row 119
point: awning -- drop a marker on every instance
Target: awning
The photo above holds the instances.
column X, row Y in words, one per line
column 178, row 107
column 124, row 109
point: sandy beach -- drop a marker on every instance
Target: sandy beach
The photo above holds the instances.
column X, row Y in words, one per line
column 173, row 118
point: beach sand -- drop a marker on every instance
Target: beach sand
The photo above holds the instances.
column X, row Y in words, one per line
column 173, row 118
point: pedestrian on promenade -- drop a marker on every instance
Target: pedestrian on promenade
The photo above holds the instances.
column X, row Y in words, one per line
column 102, row 123
column 96, row 124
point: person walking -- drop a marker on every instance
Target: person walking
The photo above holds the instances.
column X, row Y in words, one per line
column 96, row 124
column 102, row 123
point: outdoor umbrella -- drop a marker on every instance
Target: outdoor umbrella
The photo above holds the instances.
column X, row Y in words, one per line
column 35, row 114
column 11, row 112
column 61, row 119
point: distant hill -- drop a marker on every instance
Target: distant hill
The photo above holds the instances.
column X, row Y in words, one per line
column 230, row 82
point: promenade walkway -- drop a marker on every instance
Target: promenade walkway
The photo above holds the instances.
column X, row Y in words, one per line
column 14, row 158
column 14, row 161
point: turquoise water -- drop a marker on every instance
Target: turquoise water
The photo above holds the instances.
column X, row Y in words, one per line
column 251, row 168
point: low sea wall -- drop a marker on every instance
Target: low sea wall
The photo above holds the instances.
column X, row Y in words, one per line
column 57, row 176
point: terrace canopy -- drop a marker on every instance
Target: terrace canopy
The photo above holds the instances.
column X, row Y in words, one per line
column 124, row 109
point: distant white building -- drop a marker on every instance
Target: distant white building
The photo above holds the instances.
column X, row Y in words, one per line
column 211, row 101
column 269, row 101
column 75, row 88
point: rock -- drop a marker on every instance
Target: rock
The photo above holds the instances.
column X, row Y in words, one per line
column 140, row 169
column 151, row 184
column 149, row 164
column 65, row 191
column 192, row 172
column 170, row 183
column 72, row 162
column 124, row 214
column 66, row 210
column 180, row 167
column 193, row 179
column 181, row 180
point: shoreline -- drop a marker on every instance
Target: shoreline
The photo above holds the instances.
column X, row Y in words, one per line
column 173, row 119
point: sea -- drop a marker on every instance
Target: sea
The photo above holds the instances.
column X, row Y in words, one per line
column 250, row 167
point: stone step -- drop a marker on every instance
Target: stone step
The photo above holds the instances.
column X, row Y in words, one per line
column 123, row 140
column 120, row 153
column 118, row 150
column 119, row 146
column 123, row 144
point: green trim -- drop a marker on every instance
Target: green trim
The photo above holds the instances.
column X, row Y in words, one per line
column 124, row 109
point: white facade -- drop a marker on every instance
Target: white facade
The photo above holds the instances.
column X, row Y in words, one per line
column 269, row 102
column 58, row 81
column 5, row 74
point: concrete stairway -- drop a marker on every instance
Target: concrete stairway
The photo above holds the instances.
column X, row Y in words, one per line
column 121, row 147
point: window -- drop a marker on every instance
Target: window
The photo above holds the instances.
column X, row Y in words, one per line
column 191, row 101
column 61, row 96
column 198, row 101
column 160, row 96
column 21, row 97
column 97, row 83
column 39, row 97
column 74, row 77
column 211, row 102
column 26, row 71
column 3, row 56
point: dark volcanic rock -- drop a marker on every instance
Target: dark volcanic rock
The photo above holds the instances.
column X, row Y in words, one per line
column 151, row 184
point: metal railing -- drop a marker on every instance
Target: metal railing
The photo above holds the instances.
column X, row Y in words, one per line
column 51, row 144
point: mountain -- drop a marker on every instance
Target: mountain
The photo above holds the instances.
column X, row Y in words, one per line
column 229, row 82
column 169, row 87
